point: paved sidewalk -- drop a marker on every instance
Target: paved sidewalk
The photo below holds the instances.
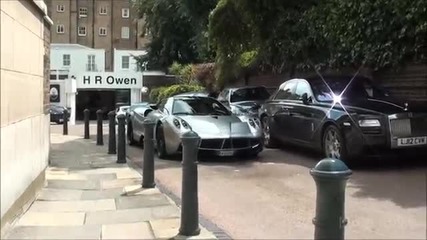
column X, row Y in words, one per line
column 88, row 196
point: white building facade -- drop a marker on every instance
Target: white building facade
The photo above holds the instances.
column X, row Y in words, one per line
column 79, row 79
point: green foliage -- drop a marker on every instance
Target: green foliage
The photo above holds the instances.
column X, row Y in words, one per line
column 158, row 94
column 177, row 31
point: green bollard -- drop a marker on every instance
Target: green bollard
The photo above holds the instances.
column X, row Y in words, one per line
column 99, row 134
column 121, row 145
column 331, row 177
column 86, row 114
column 189, row 195
column 112, row 132
column 148, row 165
column 65, row 123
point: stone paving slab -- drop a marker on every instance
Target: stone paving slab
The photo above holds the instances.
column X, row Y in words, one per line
column 136, row 190
column 131, row 215
column 73, row 206
column 107, row 184
column 69, row 232
column 169, row 229
column 74, row 184
column 102, row 194
column 49, row 194
column 76, row 176
column 31, row 218
column 138, row 230
column 141, row 201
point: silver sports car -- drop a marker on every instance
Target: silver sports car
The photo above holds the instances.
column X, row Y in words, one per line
column 222, row 133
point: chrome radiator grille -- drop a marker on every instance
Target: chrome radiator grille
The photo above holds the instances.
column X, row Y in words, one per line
column 229, row 143
column 408, row 127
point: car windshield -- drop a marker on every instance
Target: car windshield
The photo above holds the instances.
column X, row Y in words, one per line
column 198, row 106
column 249, row 94
column 360, row 88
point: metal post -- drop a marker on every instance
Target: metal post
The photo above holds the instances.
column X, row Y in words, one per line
column 148, row 167
column 121, row 148
column 112, row 133
column 86, row 114
column 189, row 195
column 331, row 177
column 65, row 123
column 99, row 134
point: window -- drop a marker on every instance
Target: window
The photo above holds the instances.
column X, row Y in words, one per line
column 302, row 88
column 82, row 31
column 287, row 92
column 60, row 8
column 60, row 28
column 66, row 60
column 125, row 32
column 125, row 62
column 82, row 12
column 125, row 12
column 103, row 10
column 103, row 31
column 91, row 63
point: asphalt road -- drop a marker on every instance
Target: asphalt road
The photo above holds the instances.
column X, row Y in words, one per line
column 273, row 196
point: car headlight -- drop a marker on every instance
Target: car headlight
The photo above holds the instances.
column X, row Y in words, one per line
column 251, row 122
column 185, row 124
column 369, row 123
column 176, row 123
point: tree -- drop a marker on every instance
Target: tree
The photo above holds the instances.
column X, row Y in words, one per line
column 176, row 34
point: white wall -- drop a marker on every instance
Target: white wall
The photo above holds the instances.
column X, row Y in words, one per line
column 132, row 62
column 24, row 124
column 78, row 55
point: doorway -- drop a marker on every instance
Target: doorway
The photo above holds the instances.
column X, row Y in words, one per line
column 103, row 99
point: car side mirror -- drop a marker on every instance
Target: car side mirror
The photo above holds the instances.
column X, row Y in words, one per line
column 306, row 99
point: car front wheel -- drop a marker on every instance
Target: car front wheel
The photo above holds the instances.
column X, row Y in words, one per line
column 333, row 144
column 161, row 144
column 269, row 141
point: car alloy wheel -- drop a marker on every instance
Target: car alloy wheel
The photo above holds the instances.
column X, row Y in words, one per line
column 161, row 145
column 269, row 142
column 332, row 144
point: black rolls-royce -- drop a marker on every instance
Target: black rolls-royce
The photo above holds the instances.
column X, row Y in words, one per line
column 342, row 116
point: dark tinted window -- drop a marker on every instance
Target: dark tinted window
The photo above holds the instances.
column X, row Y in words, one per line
column 198, row 106
column 287, row 92
column 249, row 94
column 358, row 88
column 302, row 88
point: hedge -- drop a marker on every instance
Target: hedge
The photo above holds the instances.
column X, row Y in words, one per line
column 160, row 93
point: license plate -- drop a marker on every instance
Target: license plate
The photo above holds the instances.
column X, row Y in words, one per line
column 414, row 141
column 226, row 153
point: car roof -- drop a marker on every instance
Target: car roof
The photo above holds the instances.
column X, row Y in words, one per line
column 202, row 94
column 243, row 87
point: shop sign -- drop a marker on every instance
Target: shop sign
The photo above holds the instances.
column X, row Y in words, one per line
column 110, row 80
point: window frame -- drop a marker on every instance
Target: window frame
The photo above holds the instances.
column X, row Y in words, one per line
column 127, row 11
column 58, row 28
column 91, row 62
column 101, row 12
column 128, row 61
column 64, row 60
column 122, row 35
column 81, row 28
column 309, row 93
column 100, row 31
column 60, row 8
column 83, row 9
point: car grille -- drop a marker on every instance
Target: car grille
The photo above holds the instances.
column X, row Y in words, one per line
column 228, row 143
column 408, row 127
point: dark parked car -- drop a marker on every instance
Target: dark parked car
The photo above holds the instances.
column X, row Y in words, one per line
column 57, row 113
column 244, row 100
column 343, row 118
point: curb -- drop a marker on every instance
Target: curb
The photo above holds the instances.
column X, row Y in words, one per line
column 219, row 233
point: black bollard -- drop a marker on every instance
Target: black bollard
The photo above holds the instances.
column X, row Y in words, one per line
column 86, row 114
column 121, row 148
column 112, row 133
column 65, row 122
column 99, row 134
column 148, row 167
column 331, row 177
column 189, row 195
